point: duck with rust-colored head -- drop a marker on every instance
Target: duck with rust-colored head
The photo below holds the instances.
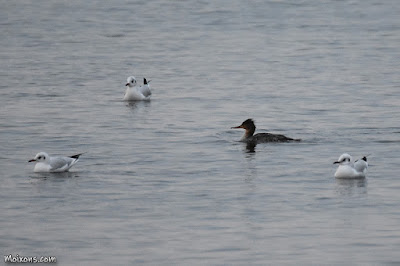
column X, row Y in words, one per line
column 249, row 136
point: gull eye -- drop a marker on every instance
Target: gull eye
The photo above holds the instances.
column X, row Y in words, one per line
column 40, row 157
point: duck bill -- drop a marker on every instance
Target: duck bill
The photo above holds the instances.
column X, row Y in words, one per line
column 32, row 160
column 238, row 127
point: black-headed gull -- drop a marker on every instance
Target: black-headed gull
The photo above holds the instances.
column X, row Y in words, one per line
column 349, row 169
column 134, row 93
column 45, row 163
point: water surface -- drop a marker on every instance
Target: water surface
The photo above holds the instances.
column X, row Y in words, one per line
column 166, row 181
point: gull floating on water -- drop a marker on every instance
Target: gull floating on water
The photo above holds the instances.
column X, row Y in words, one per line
column 249, row 136
column 348, row 169
column 45, row 163
column 134, row 93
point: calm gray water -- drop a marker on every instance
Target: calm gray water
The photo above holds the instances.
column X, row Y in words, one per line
column 166, row 182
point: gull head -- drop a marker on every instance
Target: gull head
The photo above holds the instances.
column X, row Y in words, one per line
column 40, row 157
column 131, row 81
column 344, row 159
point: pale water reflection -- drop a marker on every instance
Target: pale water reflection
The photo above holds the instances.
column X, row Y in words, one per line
column 351, row 187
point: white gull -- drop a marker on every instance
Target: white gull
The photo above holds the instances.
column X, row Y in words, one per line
column 134, row 93
column 349, row 169
column 45, row 163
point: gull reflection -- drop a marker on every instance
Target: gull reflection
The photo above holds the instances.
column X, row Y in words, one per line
column 351, row 187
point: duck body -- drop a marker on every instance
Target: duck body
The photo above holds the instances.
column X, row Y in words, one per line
column 250, row 137
column 268, row 137
column 349, row 169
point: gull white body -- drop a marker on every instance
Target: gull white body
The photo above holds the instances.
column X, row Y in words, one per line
column 145, row 88
column 47, row 164
column 135, row 93
column 348, row 169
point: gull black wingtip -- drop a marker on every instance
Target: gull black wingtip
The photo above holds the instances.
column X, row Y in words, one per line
column 76, row 156
column 364, row 158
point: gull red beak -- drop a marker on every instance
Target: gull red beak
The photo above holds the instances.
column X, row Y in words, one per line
column 32, row 160
column 126, row 84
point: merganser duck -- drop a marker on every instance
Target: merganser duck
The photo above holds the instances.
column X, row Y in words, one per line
column 249, row 136
column 348, row 169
